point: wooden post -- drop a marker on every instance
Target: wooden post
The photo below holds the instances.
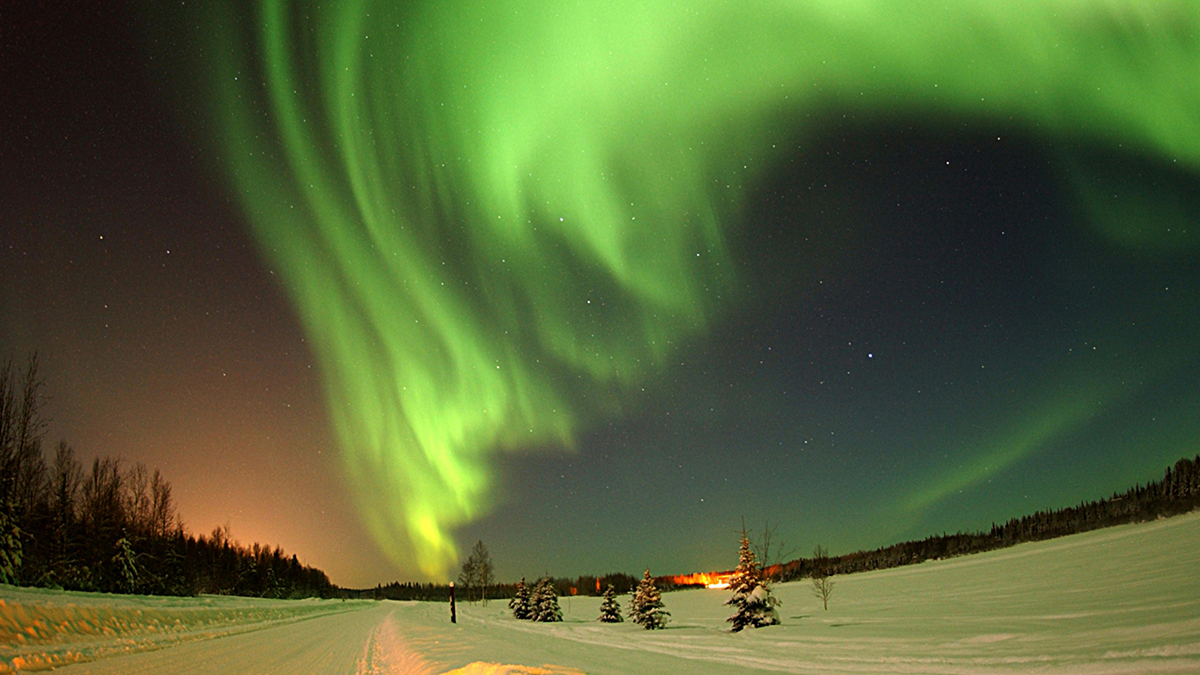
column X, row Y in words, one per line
column 453, row 617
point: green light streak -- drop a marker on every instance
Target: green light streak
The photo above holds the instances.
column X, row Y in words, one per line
column 1023, row 436
column 1076, row 405
column 496, row 218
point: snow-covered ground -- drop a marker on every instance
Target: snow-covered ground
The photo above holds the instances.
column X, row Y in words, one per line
column 40, row 628
column 1119, row 600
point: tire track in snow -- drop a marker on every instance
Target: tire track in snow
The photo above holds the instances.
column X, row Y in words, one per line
column 387, row 652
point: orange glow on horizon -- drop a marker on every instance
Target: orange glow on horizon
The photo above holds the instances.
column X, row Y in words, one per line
column 707, row 579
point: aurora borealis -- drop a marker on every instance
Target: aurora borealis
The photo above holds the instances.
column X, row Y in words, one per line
column 581, row 276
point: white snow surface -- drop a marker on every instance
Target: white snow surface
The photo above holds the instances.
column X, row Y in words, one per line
column 1119, row 600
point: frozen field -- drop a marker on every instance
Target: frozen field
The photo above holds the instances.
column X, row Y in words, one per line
column 1120, row 600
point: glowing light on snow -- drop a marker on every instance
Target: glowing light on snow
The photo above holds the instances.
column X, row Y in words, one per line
column 496, row 218
column 706, row 579
column 484, row 668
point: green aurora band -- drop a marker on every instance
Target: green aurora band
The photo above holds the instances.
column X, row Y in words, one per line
column 498, row 219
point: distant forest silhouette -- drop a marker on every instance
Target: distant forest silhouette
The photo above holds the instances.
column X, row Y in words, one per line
column 114, row 528
column 1178, row 492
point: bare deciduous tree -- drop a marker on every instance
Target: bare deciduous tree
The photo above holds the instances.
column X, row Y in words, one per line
column 483, row 570
column 771, row 552
column 477, row 575
column 23, row 483
column 162, row 508
column 66, row 478
column 137, row 507
column 467, row 577
column 821, row 581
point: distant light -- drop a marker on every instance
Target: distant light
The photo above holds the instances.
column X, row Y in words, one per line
column 870, row 356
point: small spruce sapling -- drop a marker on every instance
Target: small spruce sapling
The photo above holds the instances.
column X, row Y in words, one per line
column 520, row 604
column 753, row 603
column 125, row 561
column 646, row 608
column 610, row 609
column 545, row 602
column 10, row 543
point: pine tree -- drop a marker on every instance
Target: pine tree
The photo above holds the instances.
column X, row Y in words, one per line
column 752, row 599
column 274, row 589
column 10, row 544
column 520, row 604
column 127, row 567
column 646, row 607
column 247, row 577
column 173, row 579
column 545, row 602
column 610, row 609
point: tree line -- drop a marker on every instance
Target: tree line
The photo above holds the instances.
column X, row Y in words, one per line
column 1178, row 492
column 113, row 527
column 563, row 586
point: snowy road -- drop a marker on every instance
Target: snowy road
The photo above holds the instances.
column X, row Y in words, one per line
column 378, row 639
column 1120, row 600
column 331, row 644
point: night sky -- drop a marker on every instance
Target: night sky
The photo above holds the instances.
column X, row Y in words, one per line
column 593, row 283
